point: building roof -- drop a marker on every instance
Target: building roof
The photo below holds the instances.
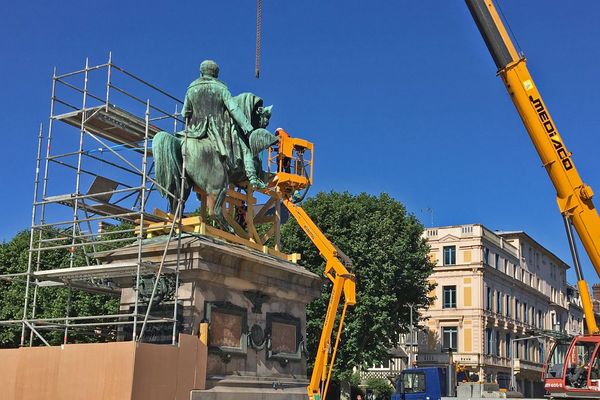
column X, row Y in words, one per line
column 515, row 233
column 530, row 239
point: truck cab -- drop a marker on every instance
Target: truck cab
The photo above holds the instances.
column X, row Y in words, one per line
column 573, row 369
column 428, row 383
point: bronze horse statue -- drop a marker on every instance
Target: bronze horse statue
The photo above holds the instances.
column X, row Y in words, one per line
column 204, row 166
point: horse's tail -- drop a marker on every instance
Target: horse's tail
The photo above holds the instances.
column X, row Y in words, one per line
column 166, row 150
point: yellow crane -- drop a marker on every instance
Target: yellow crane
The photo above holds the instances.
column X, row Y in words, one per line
column 574, row 199
column 293, row 173
column 291, row 161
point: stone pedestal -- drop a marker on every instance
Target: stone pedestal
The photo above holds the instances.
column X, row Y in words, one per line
column 255, row 307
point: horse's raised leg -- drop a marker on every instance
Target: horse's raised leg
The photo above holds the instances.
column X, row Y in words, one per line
column 211, row 198
column 214, row 205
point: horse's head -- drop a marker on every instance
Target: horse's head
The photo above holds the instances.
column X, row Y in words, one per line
column 264, row 116
column 261, row 139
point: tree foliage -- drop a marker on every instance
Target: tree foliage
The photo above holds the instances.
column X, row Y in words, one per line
column 391, row 264
column 382, row 389
column 51, row 302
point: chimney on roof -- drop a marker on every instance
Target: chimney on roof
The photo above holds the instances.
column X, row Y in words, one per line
column 596, row 297
column 596, row 291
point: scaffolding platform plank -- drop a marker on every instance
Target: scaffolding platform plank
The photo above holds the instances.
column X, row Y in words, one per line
column 100, row 193
column 112, row 270
column 108, row 210
column 112, row 123
column 86, row 286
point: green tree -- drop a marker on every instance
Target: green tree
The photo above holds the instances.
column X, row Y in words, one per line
column 13, row 260
column 382, row 389
column 391, row 264
column 51, row 302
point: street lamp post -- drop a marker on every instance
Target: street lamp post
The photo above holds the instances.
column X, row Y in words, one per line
column 513, row 381
column 410, row 349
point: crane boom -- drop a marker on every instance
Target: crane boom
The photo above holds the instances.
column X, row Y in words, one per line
column 574, row 197
column 293, row 172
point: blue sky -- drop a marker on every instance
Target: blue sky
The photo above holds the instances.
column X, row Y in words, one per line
column 398, row 96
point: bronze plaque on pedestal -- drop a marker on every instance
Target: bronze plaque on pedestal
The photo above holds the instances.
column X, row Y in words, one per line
column 225, row 329
column 283, row 338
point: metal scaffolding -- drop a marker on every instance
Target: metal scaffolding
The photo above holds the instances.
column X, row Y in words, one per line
column 93, row 190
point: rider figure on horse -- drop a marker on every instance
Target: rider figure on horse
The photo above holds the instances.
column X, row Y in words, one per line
column 209, row 110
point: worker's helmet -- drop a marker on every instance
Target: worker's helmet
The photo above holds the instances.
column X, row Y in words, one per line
column 209, row 68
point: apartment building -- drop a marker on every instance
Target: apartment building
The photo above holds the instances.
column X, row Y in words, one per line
column 494, row 290
column 576, row 319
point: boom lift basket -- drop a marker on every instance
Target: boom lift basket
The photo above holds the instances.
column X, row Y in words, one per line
column 291, row 159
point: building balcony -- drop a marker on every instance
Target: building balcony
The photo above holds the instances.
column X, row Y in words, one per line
column 466, row 359
column 501, row 320
column 525, row 365
column 496, row 361
column 476, row 360
column 442, row 268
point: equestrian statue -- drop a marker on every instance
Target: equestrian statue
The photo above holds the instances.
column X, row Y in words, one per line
column 222, row 140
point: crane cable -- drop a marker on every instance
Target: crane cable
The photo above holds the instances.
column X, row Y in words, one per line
column 519, row 50
column 258, row 18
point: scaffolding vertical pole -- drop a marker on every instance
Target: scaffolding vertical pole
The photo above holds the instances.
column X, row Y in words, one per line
column 159, row 272
column 179, row 217
column 175, row 119
column 79, row 161
column 75, row 228
column 68, row 311
column 43, row 203
column 176, row 293
column 108, row 79
column 32, row 233
column 90, row 229
column 142, row 210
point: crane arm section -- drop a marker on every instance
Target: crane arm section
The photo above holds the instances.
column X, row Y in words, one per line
column 343, row 285
column 574, row 197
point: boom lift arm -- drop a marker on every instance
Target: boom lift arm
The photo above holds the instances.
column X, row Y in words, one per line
column 573, row 196
column 294, row 174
